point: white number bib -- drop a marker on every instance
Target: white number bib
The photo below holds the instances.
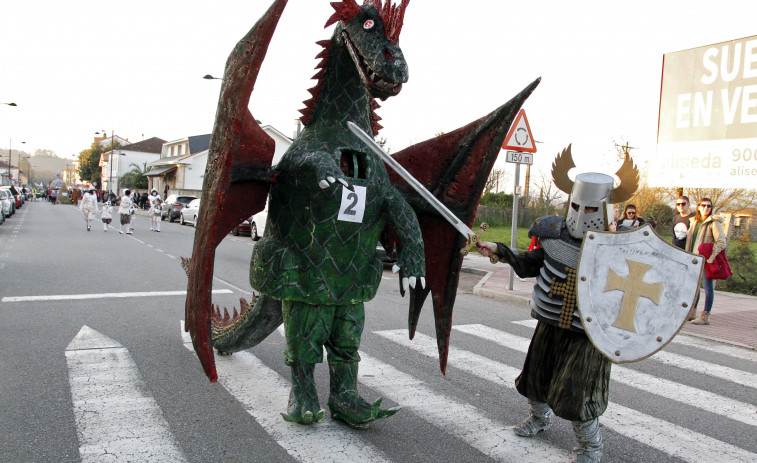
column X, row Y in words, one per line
column 353, row 205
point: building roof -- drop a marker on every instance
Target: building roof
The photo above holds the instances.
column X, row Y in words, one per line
column 198, row 143
column 151, row 145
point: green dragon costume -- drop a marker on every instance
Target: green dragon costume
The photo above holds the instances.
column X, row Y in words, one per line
column 331, row 200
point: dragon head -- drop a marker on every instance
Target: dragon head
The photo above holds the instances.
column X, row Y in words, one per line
column 371, row 35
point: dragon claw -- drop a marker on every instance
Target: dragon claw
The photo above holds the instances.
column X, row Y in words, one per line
column 323, row 184
column 423, row 282
column 412, row 282
column 395, row 268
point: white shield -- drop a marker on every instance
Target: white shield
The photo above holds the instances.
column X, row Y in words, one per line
column 634, row 291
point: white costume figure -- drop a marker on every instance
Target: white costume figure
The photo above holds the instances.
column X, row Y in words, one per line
column 106, row 216
column 88, row 207
column 155, row 212
column 125, row 209
column 152, row 197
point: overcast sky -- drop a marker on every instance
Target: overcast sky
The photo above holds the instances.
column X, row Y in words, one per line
column 136, row 67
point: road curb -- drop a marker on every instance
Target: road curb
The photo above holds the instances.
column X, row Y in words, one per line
column 479, row 290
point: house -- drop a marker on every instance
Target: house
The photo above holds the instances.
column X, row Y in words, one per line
column 181, row 167
column 116, row 163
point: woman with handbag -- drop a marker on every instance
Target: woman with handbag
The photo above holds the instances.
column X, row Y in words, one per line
column 705, row 228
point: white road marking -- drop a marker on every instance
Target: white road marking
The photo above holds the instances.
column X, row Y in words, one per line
column 64, row 297
column 688, row 395
column 684, row 339
column 651, row 431
column 718, row 371
column 264, row 394
column 116, row 418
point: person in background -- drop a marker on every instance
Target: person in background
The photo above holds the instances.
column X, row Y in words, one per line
column 88, row 207
column 151, row 199
column 705, row 228
column 630, row 219
column 106, row 216
column 124, row 209
column 681, row 221
column 155, row 212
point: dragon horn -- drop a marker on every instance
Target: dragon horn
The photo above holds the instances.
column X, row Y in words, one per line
column 560, row 168
column 629, row 181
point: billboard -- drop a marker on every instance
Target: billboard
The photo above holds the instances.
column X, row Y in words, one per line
column 707, row 129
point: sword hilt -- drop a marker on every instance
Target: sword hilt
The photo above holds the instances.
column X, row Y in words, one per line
column 473, row 239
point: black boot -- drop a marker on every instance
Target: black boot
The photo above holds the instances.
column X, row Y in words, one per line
column 345, row 402
column 303, row 405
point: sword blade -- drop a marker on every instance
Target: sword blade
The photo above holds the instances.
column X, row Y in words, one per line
column 415, row 184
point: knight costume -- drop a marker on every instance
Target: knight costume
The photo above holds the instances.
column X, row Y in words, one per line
column 564, row 374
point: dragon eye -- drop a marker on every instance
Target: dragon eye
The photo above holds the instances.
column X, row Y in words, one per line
column 368, row 24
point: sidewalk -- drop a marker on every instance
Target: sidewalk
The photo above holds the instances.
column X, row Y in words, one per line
column 733, row 320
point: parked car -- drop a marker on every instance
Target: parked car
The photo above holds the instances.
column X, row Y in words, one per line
column 173, row 205
column 7, row 203
column 16, row 196
column 189, row 213
column 247, row 227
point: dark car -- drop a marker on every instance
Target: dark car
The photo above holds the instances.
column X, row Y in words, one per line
column 173, row 206
column 247, row 227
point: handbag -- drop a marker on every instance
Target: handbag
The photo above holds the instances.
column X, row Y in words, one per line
column 719, row 269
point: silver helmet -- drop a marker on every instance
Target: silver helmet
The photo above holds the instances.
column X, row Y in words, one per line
column 587, row 205
column 592, row 194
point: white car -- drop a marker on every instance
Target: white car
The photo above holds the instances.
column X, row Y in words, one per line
column 6, row 203
column 190, row 212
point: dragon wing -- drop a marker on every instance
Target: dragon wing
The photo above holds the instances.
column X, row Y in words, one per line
column 238, row 145
column 454, row 167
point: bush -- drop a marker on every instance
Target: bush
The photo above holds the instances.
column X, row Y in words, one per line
column 662, row 214
column 501, row 200
column 744, row 267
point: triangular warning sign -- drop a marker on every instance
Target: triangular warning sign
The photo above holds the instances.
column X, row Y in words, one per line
column 519, row 138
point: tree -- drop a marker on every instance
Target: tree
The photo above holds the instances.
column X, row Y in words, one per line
column 496, row 180
column 136, row 177
column 89, row 162
column 548, row 194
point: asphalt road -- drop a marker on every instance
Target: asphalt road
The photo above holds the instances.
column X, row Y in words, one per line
column 94, row 367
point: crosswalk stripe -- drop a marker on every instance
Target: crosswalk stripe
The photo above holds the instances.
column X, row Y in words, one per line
column 264, row 394
column 716, row 347
column 66, row 297
column 710, row 346
column 116, row 419
column 688, row 395
column 649, row 430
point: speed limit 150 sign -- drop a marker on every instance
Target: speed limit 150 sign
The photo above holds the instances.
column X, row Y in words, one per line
column 520, row 158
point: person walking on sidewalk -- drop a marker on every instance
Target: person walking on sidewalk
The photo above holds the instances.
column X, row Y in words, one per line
column 705, row 228
column 106, row 216
column 88, row 207
column 124, row 209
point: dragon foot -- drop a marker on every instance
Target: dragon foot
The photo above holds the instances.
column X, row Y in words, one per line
column 345, row 402
column 355, row 412
column 303, row 397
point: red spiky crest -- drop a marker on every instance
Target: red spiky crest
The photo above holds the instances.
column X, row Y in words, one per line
column 393, row 16
column 345, row 11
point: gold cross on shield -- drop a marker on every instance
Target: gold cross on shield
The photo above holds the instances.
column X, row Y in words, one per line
column 634, row 288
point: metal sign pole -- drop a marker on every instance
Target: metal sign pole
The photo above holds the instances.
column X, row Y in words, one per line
column 514, row 229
